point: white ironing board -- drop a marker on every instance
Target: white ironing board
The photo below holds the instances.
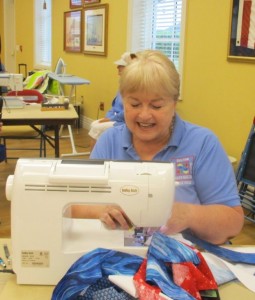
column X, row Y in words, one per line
column 67, row 79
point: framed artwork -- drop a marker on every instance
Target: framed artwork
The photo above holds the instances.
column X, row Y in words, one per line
column 72, row 31
column 87, row 2
column 95, row 29
column 242, row 27
column 75, row 3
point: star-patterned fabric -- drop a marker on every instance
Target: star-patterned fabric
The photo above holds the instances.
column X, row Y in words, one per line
column 172, row 270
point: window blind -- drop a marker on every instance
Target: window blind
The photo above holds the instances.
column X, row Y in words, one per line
column 158, row 24
column 42, row 34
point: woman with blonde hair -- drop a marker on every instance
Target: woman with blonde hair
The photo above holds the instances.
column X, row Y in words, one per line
column 206, row 198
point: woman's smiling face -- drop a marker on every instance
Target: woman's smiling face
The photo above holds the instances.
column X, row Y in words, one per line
column 149, row 116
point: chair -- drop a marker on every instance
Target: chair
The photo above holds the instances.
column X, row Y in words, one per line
column 245, row 176
column 25, row 132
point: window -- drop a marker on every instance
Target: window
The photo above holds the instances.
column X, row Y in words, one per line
column 42, row 22
column 158, row 24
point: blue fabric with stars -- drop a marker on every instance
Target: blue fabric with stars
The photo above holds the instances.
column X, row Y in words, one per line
column 95, row 265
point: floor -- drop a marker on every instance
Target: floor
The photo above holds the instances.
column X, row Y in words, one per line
column 246, row 237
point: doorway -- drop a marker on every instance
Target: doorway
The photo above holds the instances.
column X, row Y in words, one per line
column 9, row 52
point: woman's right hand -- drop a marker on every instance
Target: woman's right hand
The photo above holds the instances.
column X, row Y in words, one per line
column 113, row 217
column 104, row 120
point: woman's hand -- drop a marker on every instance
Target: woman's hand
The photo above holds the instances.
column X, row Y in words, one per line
column 104, row 120
column 213, row 223
column 113, row 217
column 179, row 219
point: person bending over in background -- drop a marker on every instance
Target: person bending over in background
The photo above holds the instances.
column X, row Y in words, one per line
column 115, row 116
column 206, row 197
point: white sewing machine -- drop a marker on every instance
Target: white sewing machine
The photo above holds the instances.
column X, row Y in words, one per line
column 46, row 240
column 13, row 81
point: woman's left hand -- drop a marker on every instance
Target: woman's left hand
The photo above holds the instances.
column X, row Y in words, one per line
column 179, row 219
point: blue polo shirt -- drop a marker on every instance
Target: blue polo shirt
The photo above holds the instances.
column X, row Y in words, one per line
column 116, row 113
column 203, row 170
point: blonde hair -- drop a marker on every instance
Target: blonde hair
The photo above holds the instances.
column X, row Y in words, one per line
column 150, row 71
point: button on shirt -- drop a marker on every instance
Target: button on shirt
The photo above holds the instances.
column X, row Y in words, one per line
column 203, row 170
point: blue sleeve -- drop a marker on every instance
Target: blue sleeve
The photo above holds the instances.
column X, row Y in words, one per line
column 119, row 117
column 116, row 113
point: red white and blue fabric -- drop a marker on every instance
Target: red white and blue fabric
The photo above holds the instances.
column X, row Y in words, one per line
column 171, row 270
column 227, row 254
column 91, row 268
column 177, row 270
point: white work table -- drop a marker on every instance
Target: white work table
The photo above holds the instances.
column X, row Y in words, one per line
column 33, row 115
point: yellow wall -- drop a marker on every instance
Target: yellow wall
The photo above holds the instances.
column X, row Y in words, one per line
column 100, row 70
column 216, row 93
column 25, row 32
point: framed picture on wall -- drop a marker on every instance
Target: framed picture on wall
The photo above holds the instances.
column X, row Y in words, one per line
column 242, row 27
column 95, row 29
column 72, row 31
column 87, row 2
column 75, row 3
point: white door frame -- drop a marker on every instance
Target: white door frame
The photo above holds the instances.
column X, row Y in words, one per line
column 9, row 36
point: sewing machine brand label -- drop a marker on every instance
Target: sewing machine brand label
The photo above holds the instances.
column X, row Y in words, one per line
column 129, row 190
column 35, row 259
